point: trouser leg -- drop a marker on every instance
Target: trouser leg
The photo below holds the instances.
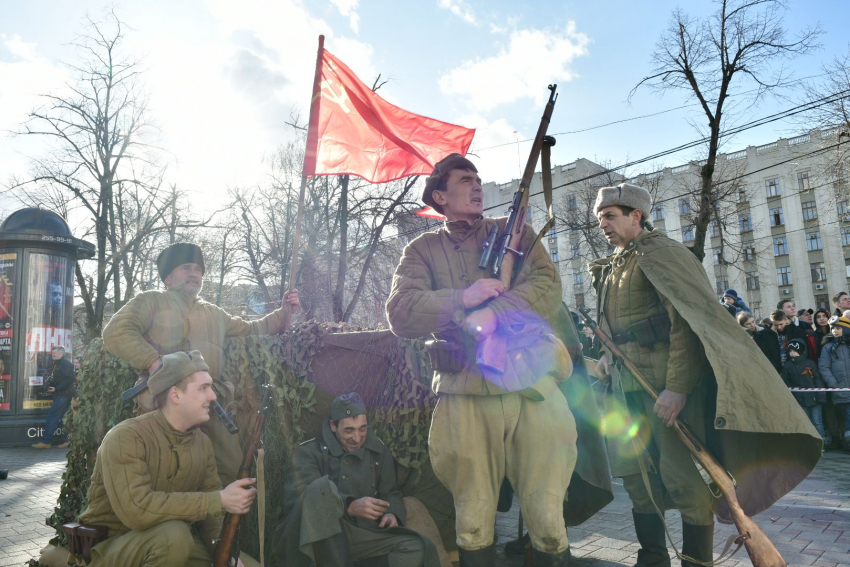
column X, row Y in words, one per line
column 540, row 458
column 228, row 453
column 467, row 449
column 57, row 410
column 816, row 417
column 401, row 550
column 169, row 544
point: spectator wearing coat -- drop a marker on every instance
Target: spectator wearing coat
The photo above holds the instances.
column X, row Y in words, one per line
column 841, row 301
column 800, row 372
column 834, row 366
column 733, row 303
column 821, row 327
column 785, row 331
column 765, row 338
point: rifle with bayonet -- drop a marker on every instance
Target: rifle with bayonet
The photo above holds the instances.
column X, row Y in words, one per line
column 760, row 549
column 502, row 252
column 226, row 547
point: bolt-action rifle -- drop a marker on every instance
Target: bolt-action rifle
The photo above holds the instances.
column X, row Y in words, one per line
column 760, row 549
column 226, row 547
column 501, row 251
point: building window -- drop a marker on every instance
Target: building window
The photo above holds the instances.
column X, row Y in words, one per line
column 749, row 252
column 578, row 279
column 684, row 206
column 776, row 217
column 742, row 194
column 844, row 210
column 847, row 267
column 752, row 281
column 714, row 229
column 658, row 213
column 783, row 275
column 772, row 187
column 822, row 302
column 845, row 235
column 579, row 301
column 688, row 233
column 721, row 283
column 555, row 256
column 718, row 256
column 780, row 246
column 572, row 203
column 818, row 271
column 575, row 249
column 803, row 181
column 755, row 307
column 745, row 222
column 810, row 211
column 813, row 241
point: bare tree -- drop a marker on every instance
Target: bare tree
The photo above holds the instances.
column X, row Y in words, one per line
column 103, row 164
column 742, row 44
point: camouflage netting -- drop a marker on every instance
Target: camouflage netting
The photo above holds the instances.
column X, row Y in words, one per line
column 307, row 367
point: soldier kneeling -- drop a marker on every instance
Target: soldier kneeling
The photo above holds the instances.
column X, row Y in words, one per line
column 341, row 503
column 155, row 485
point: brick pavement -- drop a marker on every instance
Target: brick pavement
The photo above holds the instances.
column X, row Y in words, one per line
column 810, row 526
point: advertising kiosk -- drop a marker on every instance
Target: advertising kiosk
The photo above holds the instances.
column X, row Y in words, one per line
column 38, row 254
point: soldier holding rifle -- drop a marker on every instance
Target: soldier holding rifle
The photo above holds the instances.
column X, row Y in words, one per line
column 155, row 486
column 489, row 425
column 177, row 319
column 655, row 303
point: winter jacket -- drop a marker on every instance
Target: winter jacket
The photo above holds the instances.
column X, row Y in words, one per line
column 736, row 307
column 147, row 473
column 63, row 376
column 821, row 339
column 800, row 372
column 790, row 331
column 768, row 343
column 834, row 366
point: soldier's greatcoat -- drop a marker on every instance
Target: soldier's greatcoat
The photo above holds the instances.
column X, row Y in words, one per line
column 760, row 433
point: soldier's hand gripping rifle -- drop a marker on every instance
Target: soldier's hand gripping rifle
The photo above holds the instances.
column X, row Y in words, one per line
column 226, row 548
column 501, row 251
column 760, row 549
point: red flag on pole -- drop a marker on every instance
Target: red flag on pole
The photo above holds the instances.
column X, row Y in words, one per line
column 354, row 131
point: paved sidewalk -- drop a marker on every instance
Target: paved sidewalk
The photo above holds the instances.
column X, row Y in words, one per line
column 810, row 526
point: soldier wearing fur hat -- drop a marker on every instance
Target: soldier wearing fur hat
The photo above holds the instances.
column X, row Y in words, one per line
column 341, row 502
column 487, row 427
column 155, row 485
column 656, row 303
column 156, row 322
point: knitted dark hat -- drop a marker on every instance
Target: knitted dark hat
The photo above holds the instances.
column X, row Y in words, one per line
column 347, row 405
column 731, row 293
column 798, row 346
column 177, row 255
column 440, row 174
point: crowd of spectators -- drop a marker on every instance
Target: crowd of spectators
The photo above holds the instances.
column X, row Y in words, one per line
column 809, row 349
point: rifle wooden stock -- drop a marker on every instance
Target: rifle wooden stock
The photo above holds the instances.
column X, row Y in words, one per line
column 761, row 550
column 492, row 349
column 226, row 541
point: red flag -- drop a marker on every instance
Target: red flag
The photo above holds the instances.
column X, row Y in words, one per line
column 353, row 130
column 430, row 213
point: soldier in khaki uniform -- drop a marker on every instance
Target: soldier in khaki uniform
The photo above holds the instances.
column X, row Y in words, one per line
column 155, row 484
column 157, row 322
column 487, row 425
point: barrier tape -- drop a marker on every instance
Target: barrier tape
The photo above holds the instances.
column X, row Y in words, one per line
column 819, row 389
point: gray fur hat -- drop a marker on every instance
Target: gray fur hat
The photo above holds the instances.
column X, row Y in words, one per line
column 626, row 195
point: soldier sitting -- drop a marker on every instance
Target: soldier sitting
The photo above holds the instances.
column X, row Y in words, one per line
column 341, row 502
column 155, row 485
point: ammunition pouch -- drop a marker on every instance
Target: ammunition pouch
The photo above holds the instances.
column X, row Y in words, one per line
column 82, row 538
column 646, row 332
column 446, row 356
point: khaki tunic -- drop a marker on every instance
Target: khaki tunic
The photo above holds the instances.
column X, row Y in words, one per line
column 481, row 431
column 175, row 321
column 147, row 473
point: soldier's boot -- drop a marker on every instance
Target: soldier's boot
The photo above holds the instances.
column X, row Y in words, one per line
column 485, row 557
column 333, row 551
column 649, row 530
column 552, row 559
column 697, row 543
column 518, row 546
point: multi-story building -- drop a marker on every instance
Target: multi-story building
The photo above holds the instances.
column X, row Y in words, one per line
column 781, row 226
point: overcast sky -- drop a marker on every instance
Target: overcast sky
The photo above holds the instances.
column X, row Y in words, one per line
column 223, row 76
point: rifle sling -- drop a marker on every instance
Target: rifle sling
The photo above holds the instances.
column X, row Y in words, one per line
column 546, row 174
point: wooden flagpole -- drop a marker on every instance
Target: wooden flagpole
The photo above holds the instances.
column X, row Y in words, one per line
column 314, row 118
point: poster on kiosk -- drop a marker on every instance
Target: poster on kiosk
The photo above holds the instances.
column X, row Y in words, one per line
column 49, row 321
column 8, row 265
